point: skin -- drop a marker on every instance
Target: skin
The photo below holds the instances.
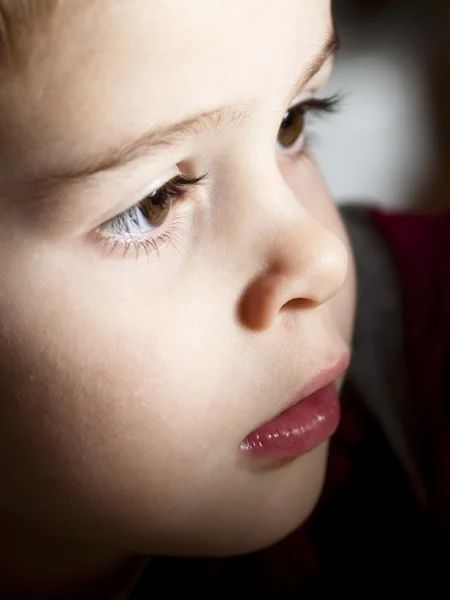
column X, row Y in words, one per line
column 127, row 383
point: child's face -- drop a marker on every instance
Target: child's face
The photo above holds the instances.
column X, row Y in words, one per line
column 136, row 356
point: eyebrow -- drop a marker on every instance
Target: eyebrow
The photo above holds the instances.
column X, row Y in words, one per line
column 169, row 136
column 330, row 49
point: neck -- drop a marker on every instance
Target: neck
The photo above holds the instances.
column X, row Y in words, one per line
column 36, row 570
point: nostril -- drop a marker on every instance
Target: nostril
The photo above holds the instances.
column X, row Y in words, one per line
column 267, row 296
column 260, row 301
column 298, row 304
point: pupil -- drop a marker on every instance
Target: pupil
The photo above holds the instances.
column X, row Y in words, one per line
column 156, row 198
column 156, row 207
column 288, row 120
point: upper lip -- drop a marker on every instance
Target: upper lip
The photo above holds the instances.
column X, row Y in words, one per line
column 324, row 377
column 321, row 379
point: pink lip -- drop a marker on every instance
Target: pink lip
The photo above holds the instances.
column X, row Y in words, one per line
column 306, row 424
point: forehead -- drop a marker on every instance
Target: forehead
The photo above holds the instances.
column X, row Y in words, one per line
column 24, row 22
column 26, row 25
column 121, row 65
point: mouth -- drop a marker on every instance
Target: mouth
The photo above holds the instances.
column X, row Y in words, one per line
column 309, row 421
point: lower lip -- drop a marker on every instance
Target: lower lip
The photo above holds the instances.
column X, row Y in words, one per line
column 297, row 430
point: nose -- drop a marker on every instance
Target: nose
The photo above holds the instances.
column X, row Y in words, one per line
column 305, row 265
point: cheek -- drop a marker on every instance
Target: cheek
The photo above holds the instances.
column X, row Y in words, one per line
column 100, row 367
column 124, row 406
column 131, row 432
column 98, row 389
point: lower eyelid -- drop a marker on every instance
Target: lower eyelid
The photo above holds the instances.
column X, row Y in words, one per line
column 296, row 148
column 174, row 234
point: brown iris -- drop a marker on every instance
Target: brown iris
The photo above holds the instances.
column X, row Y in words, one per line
column 292, row 126
column 156, row 206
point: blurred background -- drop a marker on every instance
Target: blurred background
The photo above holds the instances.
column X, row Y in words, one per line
column 390, row 142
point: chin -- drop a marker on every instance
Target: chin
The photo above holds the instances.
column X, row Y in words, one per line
column 293, row 491
column 298, row 487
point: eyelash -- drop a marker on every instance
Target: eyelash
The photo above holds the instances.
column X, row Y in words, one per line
column 318, row 106
column 176, row 189
column 323, row 105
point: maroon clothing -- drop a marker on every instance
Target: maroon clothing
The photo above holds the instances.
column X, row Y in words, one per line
column 420, row 246
column 382, row 524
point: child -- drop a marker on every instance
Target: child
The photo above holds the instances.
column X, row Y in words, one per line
column 176, row 310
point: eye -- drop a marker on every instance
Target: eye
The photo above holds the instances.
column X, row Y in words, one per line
column 150, row 213
column 292, row 130
column 147, row 224
column 292, row 126
column 153, row 210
